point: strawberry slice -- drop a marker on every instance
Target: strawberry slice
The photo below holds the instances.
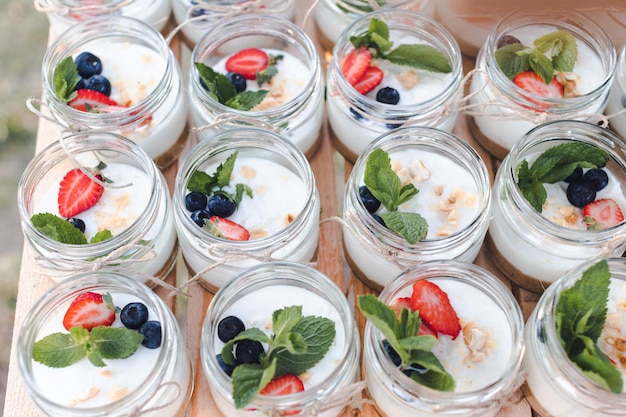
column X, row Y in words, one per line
column 434, row 307
column 227, row 229
column 426, row 330
column 356, row 64
column 78, row 192
column 284, row 385
column 247, row 62
column 533, row 83
column 399, row 303
column 90, row 310
column 94, row 101
column 604, row 213
column 372, row 77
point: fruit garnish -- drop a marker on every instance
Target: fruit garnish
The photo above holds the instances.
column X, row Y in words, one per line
column 222, row 90
column 386, row 187
column 555, row 165
column 90, row 310
column 284, row 385
column 556, row 51
column 226, row 229
column 87, row 64
column 247, row 62
column 78, row 192
column 531, row 82
column 388, row 95
column 414, row 350
column 434, row 308
column 579, row 317
column 372, row 77
column 405, row 302
column 298, row 343
column 356, row 64
column 134, row 315
column 63, row 231
column 151, row 331
column 94, row 102
column 602, row 214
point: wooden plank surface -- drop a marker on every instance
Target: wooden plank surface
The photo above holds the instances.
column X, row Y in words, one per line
column 330, row 171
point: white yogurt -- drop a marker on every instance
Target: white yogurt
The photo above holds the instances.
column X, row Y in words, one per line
column 616, row 107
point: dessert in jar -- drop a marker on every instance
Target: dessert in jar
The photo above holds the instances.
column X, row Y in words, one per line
column 443, row 338
column 391, row 68
column 243, row 353
column 95, row 200
column 197, row 17
column 102, row 343
column 118, row 74
column 258, row 70
column 558, row 200
column 242, row 197
column 415, row 194
column 333, row 16
column 64, row 14
column 536, row 67
column 470, row 21
column 575, row 359
column 616, row 107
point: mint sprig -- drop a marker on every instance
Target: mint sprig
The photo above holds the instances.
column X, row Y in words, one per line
column 556, row 51
column 420, row 56
column 60, row 230
column 297, row 344
column 385, row 185
column 554, row 165
column 579, row 317
column 59, row 350
column 65, row 78
column 402, row 335
column 270, row 71
column 222, row 90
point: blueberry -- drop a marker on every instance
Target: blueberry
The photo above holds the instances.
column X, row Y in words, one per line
column 228, row 369
column 414, row 367
column 391, row 353
column 540, row 332
column 576, row 175
column 579, row 194
column 597, row 179
column 80, row 85
column 388, row 95
column 355, row 114
column 369, row 201
column 77, row 223
column 195, row 200
column 151, row 331
column 229, row 327
column 99, row 83
column 134, row 315
column 507, row 40
column 238, row 81
column 199, row 216
column 379, row 220
column 88, row 64
column 392, row 126
column 203, row 84
column 221, row 205
column 248, row 351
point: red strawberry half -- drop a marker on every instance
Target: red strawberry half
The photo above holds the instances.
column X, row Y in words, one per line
column 604, row 213
column 247, row 62
column 356, row 64
column 434, row 308
column 372, row 77
column 78, row 192
column 227, row 229
column 94, row 101
column 90, row 310
column 533, row 83
column 399, row 303
column 284, row 385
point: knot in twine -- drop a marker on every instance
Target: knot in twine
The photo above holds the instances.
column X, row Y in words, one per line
column 139, row 410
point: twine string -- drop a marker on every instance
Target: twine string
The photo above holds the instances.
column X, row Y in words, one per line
column 229, row 118
column 139, row 410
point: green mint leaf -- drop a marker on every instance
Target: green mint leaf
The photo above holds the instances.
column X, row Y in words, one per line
column 252, row 334
column 512, row 59
column 225, row 170
column 384, row 319
column 101, row 236
column 411, row 226
column 532, row 189
column 202, row 182
column 115, row 342
column 425, row 343
column 95, row 357
column 266, row 75
column 388, row 187
column 407, row 192
column 436, row 376
column 376, row 38
column 424, row 57
column 284, row 320
column 240, row 190
column 376, row 161
column 409, row 324
column 379, row 28
column 219, row 87
column 597, row 367
column 561, row 46
column 246, row 381
column 65, row 78
column 246, row 100
column 542, row 66
column 58, row 350
column 293, row 342
column 58, row 229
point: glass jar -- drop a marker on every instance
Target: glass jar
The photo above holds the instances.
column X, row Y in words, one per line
column 554, row 385
column 482, row 388
column 282, row 218
column 150, row 382
column 356, row 119
column 454, row 198
column 146, row 83
column 333, row 16
column 135, row 208
column 616, row 107
column 500, row 112
column 293, row 107
column 64, row 14
column 532, row 249
column 188, row 13
column 470, row 21
column 253, row 295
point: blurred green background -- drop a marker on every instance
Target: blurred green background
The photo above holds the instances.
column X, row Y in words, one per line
column 23, row 40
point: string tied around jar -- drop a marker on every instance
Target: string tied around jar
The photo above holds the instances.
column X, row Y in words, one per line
column 338, row 397
column 223, row 119
column 140, row 409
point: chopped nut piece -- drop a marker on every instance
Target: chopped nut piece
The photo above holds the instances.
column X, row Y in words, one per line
column 289, row 218
column 444, row 206
column 438, row 190
column 419, row 172
column 613, row 339
column 260, row 189
column 457, row 194
column 478, row 341
column 408, row 79
column 107, row 373
column 470, row 200
column 118, row 392
column 453, row 218
column 248, row 172
column 259, row 232
column 305, row 376
column 570, row 82
column 570, row 216
column 443, row 232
